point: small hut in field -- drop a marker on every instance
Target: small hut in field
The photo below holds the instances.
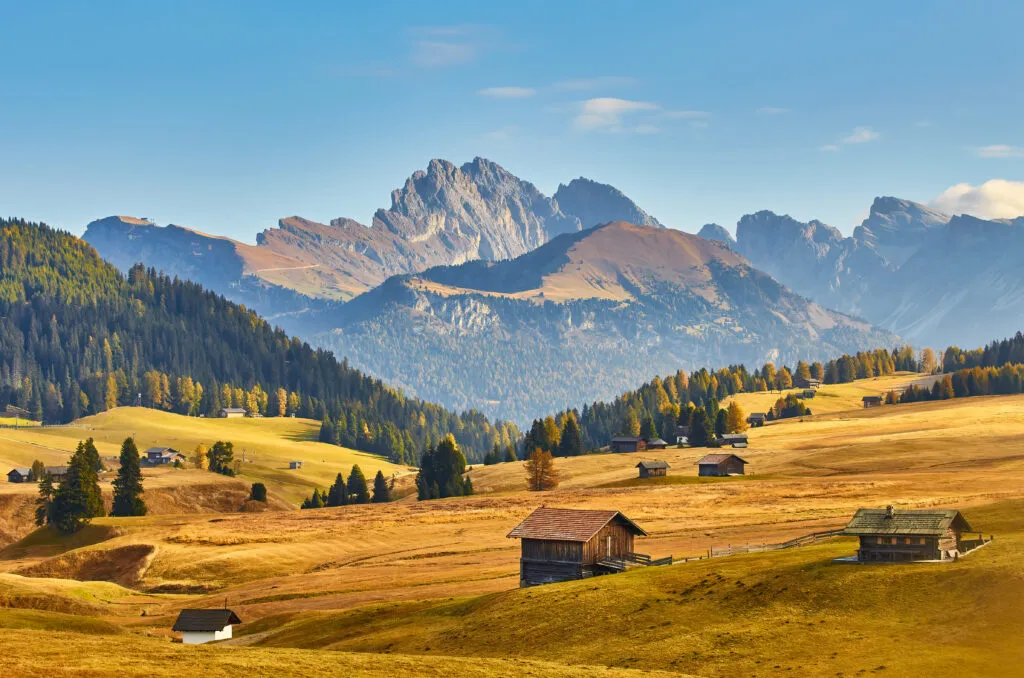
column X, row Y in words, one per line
column 653, row 469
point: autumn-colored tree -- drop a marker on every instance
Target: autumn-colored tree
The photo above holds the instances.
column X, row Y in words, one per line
column 111, row 395
column 736, row 419
column 281, row 402
column 198, row 458
column 540, row 471
column 783, row 379
column 929, row 364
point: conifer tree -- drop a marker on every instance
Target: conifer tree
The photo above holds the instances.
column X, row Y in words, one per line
column 75, row 501
column 93, row 455
column 38, row 470
column 721, row 422
column 648, row 431
column 381, row 489
column 317, row 501
column 737, row 421
column 44, row 501
column 701, row 430
column 571, row 444
column 358, row 492
column 540, row 471
column 510, row 453
column 631, row 426
column 258, row 492
column 128, row 483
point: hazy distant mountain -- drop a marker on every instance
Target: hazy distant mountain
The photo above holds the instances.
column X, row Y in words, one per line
column 582, row 317
column 717, row 233
column 593, row 203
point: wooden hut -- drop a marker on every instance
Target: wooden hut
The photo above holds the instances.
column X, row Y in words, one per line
column 232, row 412
column 891, row 535
column 628, row 444
column 19, row 475
column 734, row 439
column 872, row 401
column 566, row 544
column 656, row 444
column 720, row 465
column 203, row 626
column 651, row 469
column 295, row 465
column 756, row 419
column 809, row 382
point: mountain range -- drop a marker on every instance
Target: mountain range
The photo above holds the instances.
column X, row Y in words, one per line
column 476, row 290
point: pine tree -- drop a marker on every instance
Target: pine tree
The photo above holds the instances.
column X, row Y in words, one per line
column 75, row 501
column 358, row 491
column 258, row 492
column 381, row 489
column 721, row 422
column 540, row 471
column 44, row 502
column 701, row 431
column 220, row 457
column 510, row 453
column 337, row 495
column 571, row 444
column 737, row 421
column 317, row 501
column 93, row 456
column 631, row 426
column 128, row 483
column 648, row 431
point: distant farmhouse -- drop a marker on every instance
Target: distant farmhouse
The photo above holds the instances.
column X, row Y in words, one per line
column 656, row 444
column 203, row 626
column 651, row 469
column 566, row 544
column 158, row 456
column 756, row 419
column 232, row 412
column 889, row 535
column 872, row 401
column 733, row 439
column 810, row 382
column 628, row 444
column 720, row 465
column 295, row 464
column 24, row 475
column 682, row 436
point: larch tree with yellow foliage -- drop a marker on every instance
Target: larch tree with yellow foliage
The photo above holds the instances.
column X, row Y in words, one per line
column 736, row 418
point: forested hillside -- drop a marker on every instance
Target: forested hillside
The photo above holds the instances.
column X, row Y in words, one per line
column 77, row 337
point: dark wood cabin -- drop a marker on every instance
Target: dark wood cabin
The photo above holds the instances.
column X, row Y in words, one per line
column 890, row 535
column 756, row 419
column 656, row 444
column 19, row 475
column 57, row 473
column 651, row 469
column 720, row 465
column 810, row 382
column 567, row 544
column 734, row 439
column 628, row 444
column 808, row 393
column 872, row 401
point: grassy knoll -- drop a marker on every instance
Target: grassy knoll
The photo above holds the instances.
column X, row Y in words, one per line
column 26, row 653
column 783, row 613
column 269, row 444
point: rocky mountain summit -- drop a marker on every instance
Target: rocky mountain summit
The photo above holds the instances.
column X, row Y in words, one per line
column 594, row 203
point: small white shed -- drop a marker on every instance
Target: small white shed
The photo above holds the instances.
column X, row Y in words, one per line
column 204, row 626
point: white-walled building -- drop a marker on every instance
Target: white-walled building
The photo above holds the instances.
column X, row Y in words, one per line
column 204, row 626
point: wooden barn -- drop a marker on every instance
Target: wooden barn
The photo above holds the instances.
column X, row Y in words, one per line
column 232, row 412
column 158, row 456
column 890, row 535
column 628, row 444
column 656, row 444
column 756, row 419
column 872, row 401
column 720, row 465
column 651, row 469
column 566, row 544
column 19, row 475
column 809, row 382
column 57, row 473
column 734, row 439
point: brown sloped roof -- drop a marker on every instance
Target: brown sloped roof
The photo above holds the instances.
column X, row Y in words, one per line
column 657, row 463
column 718, row 459
column 205, row 620
column 868, row 521
column 568, row 524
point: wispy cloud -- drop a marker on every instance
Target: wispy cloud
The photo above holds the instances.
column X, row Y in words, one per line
column 861, row 135
column 999, row 151
column 994, row 199
column 507, row 92
column 606, row 114
column 829, row 148
column 442, row 46
column 587, row 84
column 772, row 110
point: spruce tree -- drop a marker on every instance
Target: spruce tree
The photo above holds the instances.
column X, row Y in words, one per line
column 258, row 492
column 571, row 444
column 648, row 431
column 317, row 501
column 75, row 501
column 44, row 502
column 381, row 489
column 128, row 483
column 721, row 422
column 701, row 431
column 510, row 453
column 358, row 492
column 93, row 455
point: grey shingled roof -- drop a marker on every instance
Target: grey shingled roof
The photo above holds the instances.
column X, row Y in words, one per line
column 205, row 620
column 21, row 471
column 567, row 524
column 657, row 441
column 869, row 521
column 657, row 463
column 718, row 459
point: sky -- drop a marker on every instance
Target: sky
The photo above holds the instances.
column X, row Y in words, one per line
column 226, row 116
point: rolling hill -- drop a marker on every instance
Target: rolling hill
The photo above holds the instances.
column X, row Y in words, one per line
column 522, row 337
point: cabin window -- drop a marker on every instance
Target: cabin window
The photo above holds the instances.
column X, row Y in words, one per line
column 906, row 540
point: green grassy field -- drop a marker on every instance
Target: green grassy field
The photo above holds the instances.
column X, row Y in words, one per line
column 268, row 444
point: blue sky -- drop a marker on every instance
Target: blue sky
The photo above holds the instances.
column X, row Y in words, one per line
column 226, row 116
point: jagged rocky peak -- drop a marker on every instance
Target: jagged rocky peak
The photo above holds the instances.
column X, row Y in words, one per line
column 766, row 228
column 595, row 203
column 897, row 228
column 717, row 233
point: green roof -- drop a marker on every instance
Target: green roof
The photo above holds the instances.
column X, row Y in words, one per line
column 868, row 522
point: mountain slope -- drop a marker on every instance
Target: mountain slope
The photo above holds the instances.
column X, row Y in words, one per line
column 582, row 318
column 594, row 203
column 77, row 338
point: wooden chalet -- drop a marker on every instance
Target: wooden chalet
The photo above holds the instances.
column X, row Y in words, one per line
column 566, row 544
column 890, row 535
column 19, row 475
column 873, row 401
column 232, row 412
column 720, row 465
column 810, row 382
column 57, row 473
column 656, row 444
column 628, row 444
column 158, row 456
column 756, row 419
column 733, row 439
column 651, row 469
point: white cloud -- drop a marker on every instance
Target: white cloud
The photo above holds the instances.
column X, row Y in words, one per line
column 860, row 135
column 605, row 114
column 830, row 148
column 507, row 92
column 772, row 110
column 994, row 199
column 1000, row 151
column 585, row 84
